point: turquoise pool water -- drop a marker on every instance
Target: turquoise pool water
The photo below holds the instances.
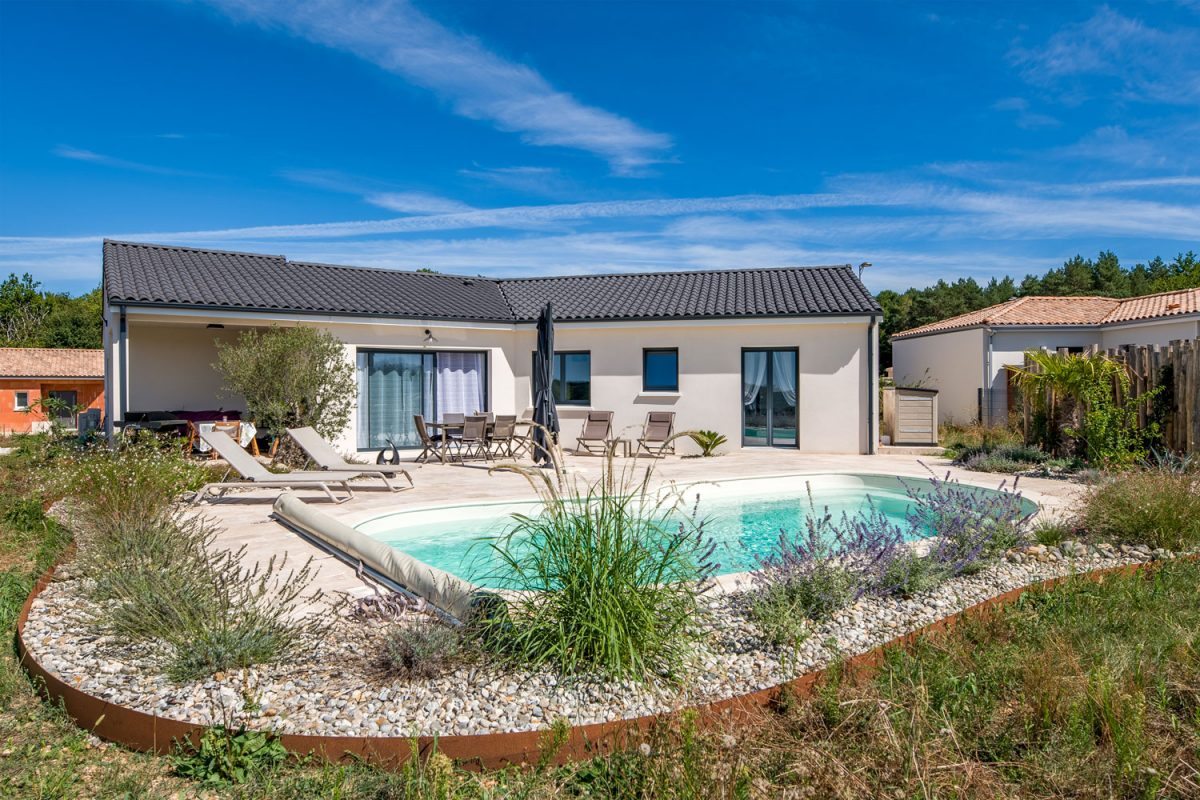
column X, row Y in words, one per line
column 744, row 519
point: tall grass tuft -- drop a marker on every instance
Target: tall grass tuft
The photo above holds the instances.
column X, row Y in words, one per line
column 1159, row 508
column 607, row 576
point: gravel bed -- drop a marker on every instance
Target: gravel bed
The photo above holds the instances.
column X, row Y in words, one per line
column 338, row 688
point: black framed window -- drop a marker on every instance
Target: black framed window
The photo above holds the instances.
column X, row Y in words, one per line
column 572, row 382
column 660, row 369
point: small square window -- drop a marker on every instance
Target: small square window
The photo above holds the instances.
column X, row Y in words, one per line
column 660, row 369
column 20, row 401
column 572, row 377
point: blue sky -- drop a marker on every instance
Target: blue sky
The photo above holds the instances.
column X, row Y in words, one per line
column 934, row 140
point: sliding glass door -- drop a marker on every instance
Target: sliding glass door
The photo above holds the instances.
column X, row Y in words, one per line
column 769, row 397
column 395, row 385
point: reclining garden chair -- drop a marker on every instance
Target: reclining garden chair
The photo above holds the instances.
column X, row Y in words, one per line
column 255, row 474
column 326, row 457
column 658, row 434
column 596, row 436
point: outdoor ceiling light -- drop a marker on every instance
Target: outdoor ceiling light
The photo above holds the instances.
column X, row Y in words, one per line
column 429, row 337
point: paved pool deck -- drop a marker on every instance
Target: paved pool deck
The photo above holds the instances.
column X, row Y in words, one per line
column 245, row 518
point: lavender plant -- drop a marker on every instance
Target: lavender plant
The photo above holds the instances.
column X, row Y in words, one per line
column 972, row 526
column 812, row 574
column 828, row 565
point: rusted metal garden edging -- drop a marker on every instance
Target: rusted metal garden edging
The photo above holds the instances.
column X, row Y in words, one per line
column 151, row 733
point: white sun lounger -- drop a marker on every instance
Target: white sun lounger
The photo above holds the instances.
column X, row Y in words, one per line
column 255, row 474
column 326, row 457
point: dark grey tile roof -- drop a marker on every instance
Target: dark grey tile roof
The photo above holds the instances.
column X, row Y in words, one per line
column 163, row 275
column 788, row 291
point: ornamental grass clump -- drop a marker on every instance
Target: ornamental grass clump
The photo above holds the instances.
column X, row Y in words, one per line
column 1158, row 508
column 608, row 577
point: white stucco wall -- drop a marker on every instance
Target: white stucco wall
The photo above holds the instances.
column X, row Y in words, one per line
column 1150, row 332
column 955, row 358
column 170, row 357
column 170, row 368
column 832, row 382
column 950, row 362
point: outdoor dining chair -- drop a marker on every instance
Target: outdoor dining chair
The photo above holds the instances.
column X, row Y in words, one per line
column 472, row 442
column 430, row 447
column 231, row 429
column 596, row 436
column 658, row 433
column 504, row 434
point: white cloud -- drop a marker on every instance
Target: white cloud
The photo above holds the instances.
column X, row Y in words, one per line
column 1025, row 117
column 544, row 181
column 417, row 203
column 92, row 157
column 478, row 84
column 1149, row 64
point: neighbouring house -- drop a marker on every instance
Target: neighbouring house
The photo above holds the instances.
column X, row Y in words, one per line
column 30, row 374
column 783, row 357
column 964, row 357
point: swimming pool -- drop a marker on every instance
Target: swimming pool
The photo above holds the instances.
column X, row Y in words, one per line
column 742, row 516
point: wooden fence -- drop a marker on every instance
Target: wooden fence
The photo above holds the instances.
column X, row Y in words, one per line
column 1176, row 368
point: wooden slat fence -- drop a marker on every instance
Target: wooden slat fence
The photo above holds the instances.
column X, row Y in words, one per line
column 1175, row 367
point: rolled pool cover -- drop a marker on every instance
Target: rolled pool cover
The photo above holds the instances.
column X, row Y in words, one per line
column 460, row 599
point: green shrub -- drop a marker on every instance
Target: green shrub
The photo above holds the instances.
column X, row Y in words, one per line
column 229, row 756
column 608, row 584
column 422, row 648
column 1051, row 532
column 782, row 607
column 908, row 573
column 136, row 481
column 1151, row 507
column 707, row 441
column 290, row 377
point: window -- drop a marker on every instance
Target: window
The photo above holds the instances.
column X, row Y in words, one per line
column 21, row 401
column 393, row 385
column 660, row 369
column 572, row 381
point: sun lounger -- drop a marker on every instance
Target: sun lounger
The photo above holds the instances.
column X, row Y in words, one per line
column 326, row 457
column 255, row 474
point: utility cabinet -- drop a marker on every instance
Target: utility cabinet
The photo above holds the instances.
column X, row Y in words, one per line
column 910, row 415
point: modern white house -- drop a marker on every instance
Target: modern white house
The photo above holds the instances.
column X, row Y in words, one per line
column 964, row 357
column 779, row 357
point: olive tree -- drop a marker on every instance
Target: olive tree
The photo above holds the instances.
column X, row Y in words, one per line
column 290, row 378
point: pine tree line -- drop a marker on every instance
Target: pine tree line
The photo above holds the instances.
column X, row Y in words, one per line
column 1103, row 276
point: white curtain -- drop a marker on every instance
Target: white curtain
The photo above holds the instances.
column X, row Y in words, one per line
column 783, row 365
column 754, row 375
column 460, row 387
column 364, row 417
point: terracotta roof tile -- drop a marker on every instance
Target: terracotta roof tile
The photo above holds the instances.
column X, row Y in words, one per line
column 45, row 362
column 1068, row 311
